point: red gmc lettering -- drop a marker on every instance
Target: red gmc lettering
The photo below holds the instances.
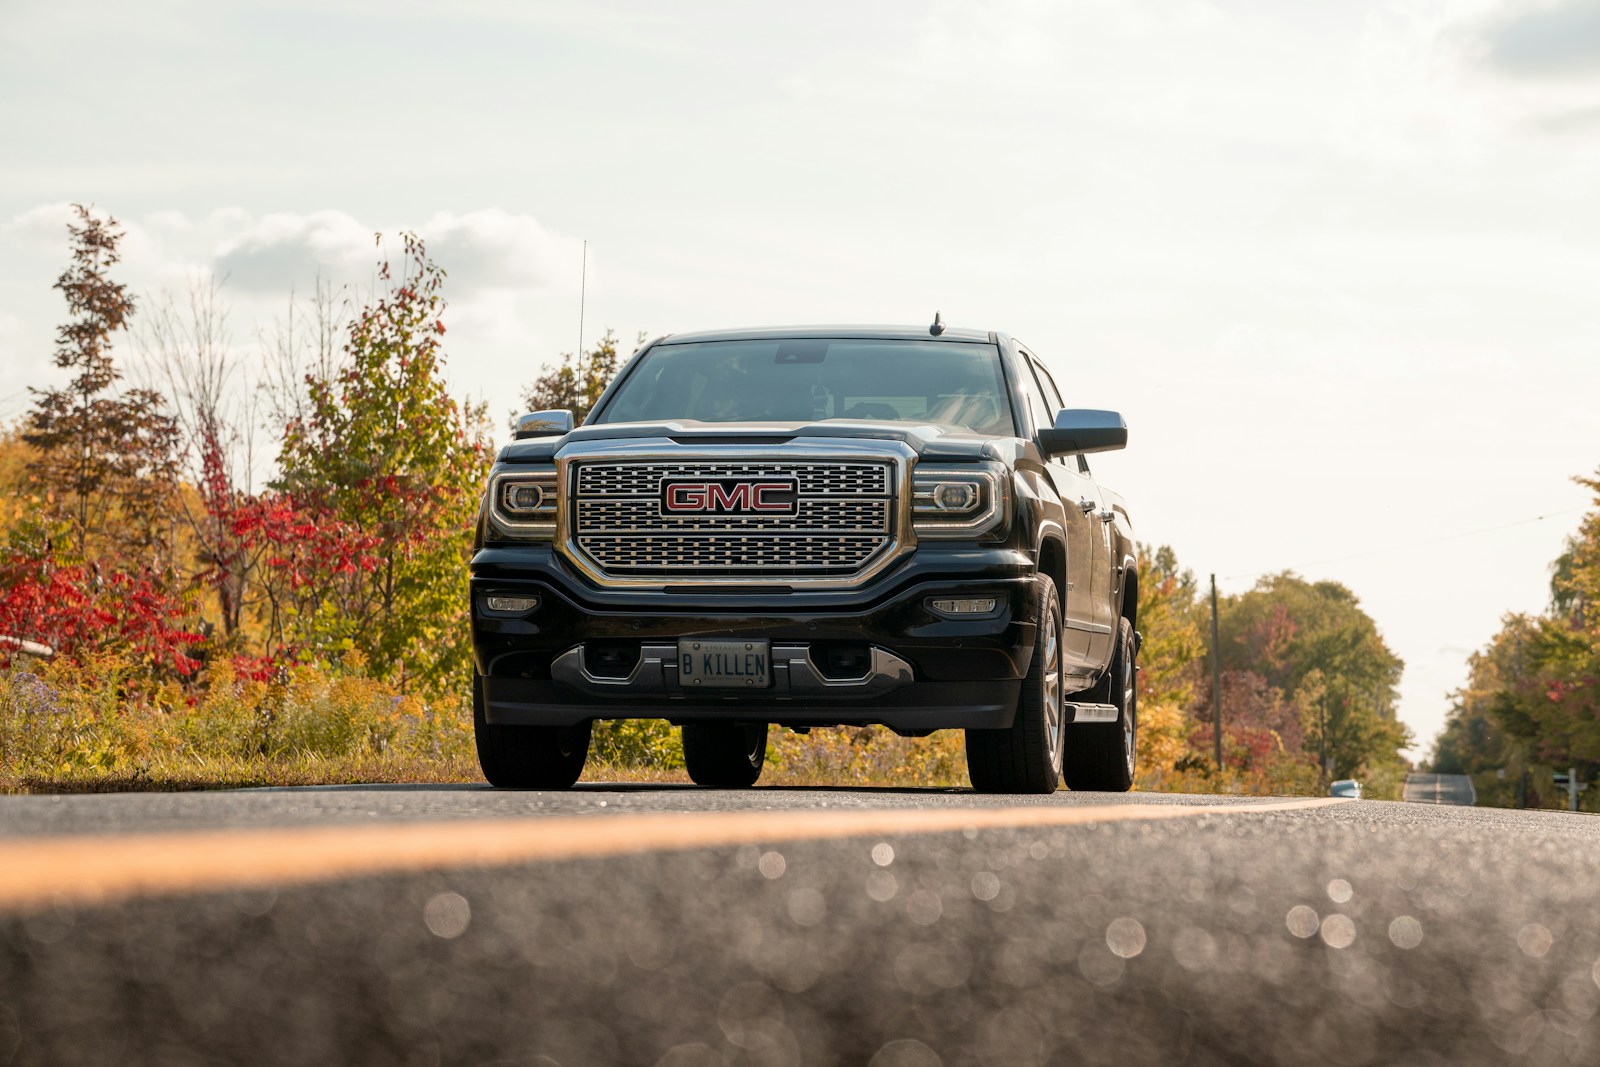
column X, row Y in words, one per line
column 686, row 497
column 715, row 496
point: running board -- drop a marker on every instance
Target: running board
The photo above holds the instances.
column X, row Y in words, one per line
column 1092, row 712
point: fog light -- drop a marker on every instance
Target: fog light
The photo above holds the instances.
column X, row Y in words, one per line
column 963, row 607
column 511, row 605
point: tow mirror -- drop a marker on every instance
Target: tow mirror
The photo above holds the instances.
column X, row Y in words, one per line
column 544, row 424
column 1084, row 430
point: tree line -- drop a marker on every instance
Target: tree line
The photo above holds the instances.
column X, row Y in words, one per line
column 131, row 522
column 133, row 525
column 1531, row 705
column 1308, row 686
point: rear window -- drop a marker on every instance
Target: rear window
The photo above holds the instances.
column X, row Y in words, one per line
column 946, row 383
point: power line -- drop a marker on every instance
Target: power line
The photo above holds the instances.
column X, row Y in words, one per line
column 1388, row 549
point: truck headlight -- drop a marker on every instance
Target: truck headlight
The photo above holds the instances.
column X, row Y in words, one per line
column 523, row 503
column 956, row 502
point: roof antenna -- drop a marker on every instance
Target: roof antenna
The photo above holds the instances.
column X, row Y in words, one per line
column 583, row 291
column 938, row 324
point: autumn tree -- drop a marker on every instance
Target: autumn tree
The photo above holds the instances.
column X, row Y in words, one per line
column 1311, row 642
column 578, row 381
column 188, row 355
column 1546, row 678
column 1476, row 739
column 109, row 454
column 1169, row 659
column 386, row 451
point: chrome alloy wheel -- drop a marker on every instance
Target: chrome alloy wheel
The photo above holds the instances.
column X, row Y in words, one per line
column 1053, row 725
column 1129, row 710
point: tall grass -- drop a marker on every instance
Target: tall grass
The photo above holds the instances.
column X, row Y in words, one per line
column 96, row 726
column 103, row 725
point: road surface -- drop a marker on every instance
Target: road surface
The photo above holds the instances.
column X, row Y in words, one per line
column 1440, row 789
column 675, row 926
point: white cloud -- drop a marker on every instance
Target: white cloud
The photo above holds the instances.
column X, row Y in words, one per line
column 285, row 251
column 44, row 226
column 495, row 249
column 481, row 251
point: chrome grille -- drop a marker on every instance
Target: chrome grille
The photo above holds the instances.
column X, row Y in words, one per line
column 725, row 554
column 843, row 521
column 815, row 479
column 813, row 516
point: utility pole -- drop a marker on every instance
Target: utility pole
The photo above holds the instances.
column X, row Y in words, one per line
column 1322, row 737
column 1216, row 677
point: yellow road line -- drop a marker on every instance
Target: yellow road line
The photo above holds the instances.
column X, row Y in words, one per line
column 105, row 869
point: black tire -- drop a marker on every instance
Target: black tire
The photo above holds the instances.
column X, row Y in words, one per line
column 527, row 757
column 1027, row 757
column 726, row 755
column 1100, row 756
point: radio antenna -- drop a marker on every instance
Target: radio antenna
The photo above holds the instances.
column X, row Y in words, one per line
column 938, row 324
column 583, row 287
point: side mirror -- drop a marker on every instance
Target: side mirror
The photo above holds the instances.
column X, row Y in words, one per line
column 1084, row 430
column 544, row 424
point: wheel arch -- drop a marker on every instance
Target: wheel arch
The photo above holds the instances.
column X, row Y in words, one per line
column 1130, row 591
column 1052, row 561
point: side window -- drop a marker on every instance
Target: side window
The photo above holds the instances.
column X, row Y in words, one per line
column 1053, row 397
column 1043, row 416
column 1051, row 393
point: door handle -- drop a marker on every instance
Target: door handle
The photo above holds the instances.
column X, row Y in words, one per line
column 1106, row 515
column 1087, row 506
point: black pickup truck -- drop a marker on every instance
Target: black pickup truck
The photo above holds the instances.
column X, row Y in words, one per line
column 811, row 527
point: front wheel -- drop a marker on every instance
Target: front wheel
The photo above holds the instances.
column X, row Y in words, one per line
column 727, row 755
column 527, row 757
column 1026, row 758
column 1100, row 756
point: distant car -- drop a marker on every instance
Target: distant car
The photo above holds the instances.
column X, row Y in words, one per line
column 1345, row 787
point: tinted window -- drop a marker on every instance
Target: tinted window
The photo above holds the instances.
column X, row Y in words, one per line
column 1044, row 415
column 947, row 383
column 1051, row 393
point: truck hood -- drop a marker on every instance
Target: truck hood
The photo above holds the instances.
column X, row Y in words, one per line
column 927, row 441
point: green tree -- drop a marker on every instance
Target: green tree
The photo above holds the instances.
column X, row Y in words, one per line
column 112, row 456
column 577, row 383
column 1550, row 703
column 1312, row 641
column 1474, row 740
column 385, row 450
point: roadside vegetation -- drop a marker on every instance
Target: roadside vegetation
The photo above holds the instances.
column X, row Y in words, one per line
column 1531, row 705
column 216, row 576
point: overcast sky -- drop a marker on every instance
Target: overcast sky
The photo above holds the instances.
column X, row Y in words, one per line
column 1337, row 262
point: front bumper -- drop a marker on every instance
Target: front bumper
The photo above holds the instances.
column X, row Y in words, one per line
column 922, row 671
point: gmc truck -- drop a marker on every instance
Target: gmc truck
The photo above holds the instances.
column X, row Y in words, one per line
column 811, row 527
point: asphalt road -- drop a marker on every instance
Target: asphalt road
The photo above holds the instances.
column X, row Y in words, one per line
column 1440, row 789
column 1076, row 929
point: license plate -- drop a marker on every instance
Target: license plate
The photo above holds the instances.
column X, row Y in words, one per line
column 723, row 664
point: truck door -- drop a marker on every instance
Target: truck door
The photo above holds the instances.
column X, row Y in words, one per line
column 1105, row 567
column 1080, row 501
column 1094, row 632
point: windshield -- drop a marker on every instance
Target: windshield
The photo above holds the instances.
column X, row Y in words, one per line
column 947, row 383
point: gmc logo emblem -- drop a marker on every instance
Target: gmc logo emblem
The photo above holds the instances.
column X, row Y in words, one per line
column 729, row 497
